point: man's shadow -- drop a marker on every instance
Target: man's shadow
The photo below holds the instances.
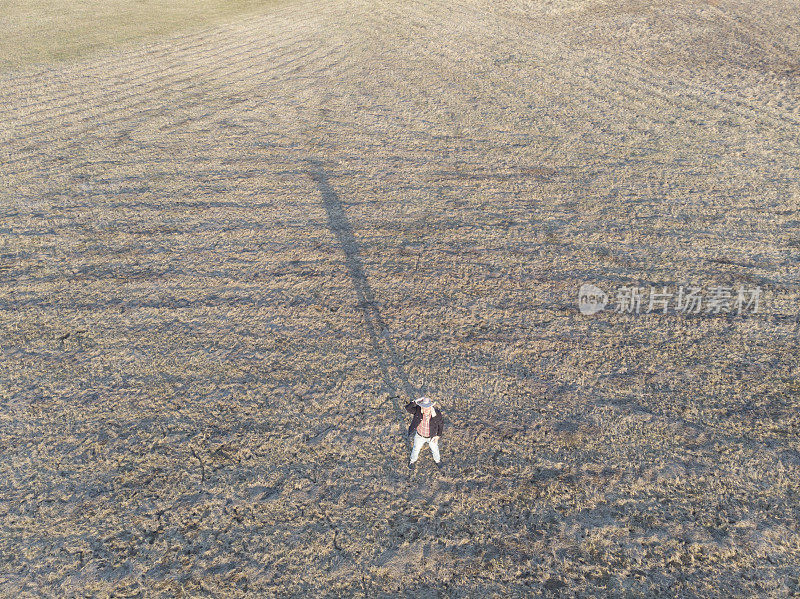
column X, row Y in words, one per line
column 394, row 377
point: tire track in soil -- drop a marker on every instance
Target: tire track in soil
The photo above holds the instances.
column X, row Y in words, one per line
column 238, row 64
column 325, row 57
column 112, row 113
column 112, row 65
column 200, row 98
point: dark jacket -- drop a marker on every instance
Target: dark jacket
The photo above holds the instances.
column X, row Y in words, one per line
column 437, row 421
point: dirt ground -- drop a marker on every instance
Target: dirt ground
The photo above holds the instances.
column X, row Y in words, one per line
column 46, row 31
column 229, row 255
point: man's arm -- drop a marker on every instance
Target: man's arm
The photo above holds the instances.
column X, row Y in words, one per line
column 411, row 407
column 440, row 427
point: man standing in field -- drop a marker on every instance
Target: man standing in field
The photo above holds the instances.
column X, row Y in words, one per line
column 427, row 428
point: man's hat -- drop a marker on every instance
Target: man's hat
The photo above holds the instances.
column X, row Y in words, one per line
column 424, row 402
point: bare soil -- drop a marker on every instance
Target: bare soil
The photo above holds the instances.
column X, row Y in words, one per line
column 230, row 254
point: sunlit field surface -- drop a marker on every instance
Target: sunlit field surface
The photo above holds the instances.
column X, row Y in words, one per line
column 43, row 31
column 232, row 249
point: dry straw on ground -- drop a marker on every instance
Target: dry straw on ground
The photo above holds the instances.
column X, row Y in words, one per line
column 230, row 254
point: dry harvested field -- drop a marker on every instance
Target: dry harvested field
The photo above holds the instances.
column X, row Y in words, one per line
column 231, row 251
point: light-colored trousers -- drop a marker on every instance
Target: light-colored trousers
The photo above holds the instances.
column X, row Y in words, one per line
column 419, row 441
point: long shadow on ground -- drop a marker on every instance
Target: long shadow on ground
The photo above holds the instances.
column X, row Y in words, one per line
column 394, row 377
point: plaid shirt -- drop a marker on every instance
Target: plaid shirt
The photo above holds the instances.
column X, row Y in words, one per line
column 424, row 427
